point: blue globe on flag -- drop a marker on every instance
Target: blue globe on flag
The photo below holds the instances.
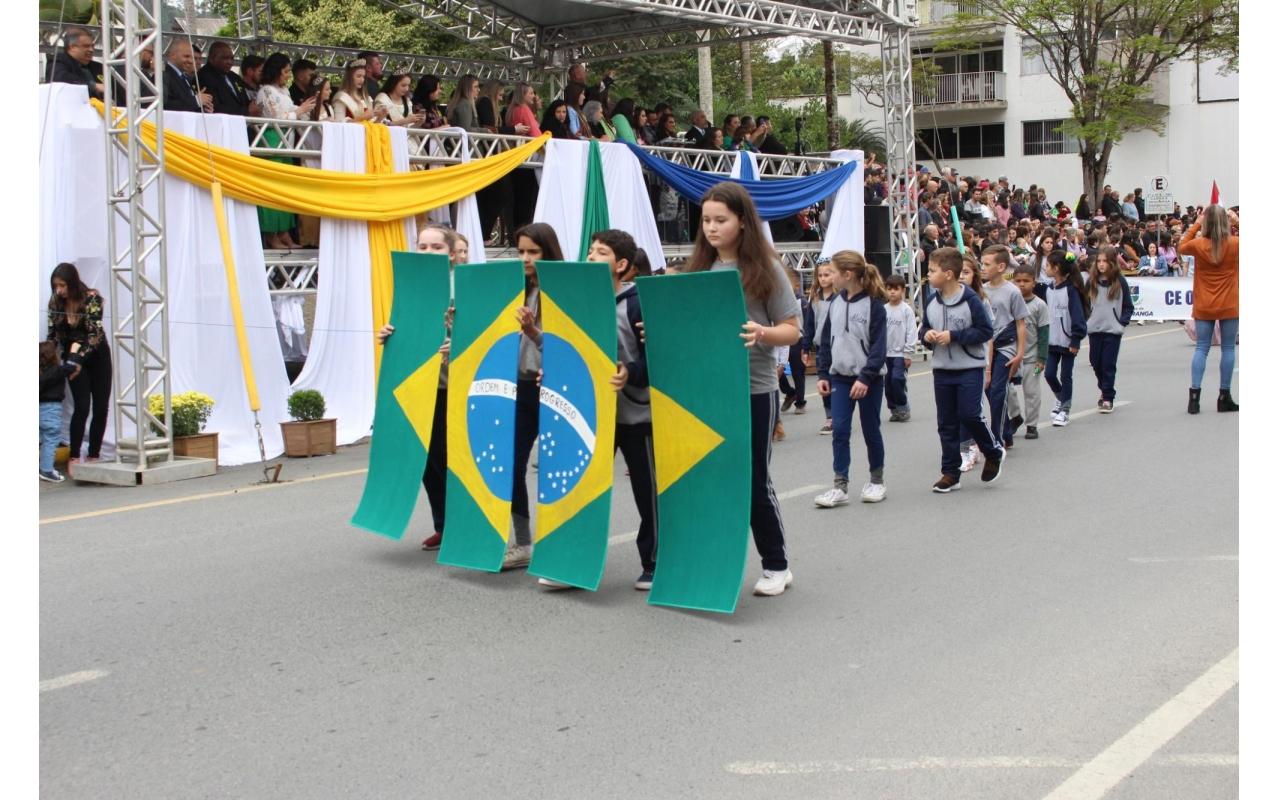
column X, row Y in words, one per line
column 491, row 416
column 567, row 419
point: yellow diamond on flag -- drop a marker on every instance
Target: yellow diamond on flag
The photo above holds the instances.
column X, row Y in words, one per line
column 691, row 439
column 417, row 397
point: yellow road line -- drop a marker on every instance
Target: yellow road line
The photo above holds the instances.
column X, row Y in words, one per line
column 205, row 496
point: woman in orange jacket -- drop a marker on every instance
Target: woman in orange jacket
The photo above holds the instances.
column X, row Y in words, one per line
column 1215, row 299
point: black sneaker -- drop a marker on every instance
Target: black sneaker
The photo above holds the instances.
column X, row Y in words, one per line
column 947, row 483
column 991, row 467
column 645, row 582
column 788, row 403
column 1032, row 433
column 1008, row 444
column 1014, row 424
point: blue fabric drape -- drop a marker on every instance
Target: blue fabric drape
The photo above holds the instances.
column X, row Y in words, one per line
column 774, row 199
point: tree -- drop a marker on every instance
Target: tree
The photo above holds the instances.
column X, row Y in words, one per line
column 1104, row 54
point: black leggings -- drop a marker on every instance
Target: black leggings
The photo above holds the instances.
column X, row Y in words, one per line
column 434, row 476
column 91, row 387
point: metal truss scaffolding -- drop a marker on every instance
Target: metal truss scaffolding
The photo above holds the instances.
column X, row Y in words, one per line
column 136, row 233
column 253, row 19
column 899, row 136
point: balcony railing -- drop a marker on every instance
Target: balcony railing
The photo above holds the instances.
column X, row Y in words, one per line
column 962, row 88
column 941, row 10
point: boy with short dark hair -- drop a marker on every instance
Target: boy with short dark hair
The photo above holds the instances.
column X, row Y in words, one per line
column 1028, row 375
column 1007, row 349
column 900, row 321
column 957, row 328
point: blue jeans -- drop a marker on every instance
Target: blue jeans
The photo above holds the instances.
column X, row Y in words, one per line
column 895, row 386
column 1104, row 354
column 1057, row 373
column 842, row 424
column 1204, row 338
column 958, row 396
column 997, row 394
column 50, row 431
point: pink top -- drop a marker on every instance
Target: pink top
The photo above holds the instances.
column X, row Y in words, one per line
column 523, row 114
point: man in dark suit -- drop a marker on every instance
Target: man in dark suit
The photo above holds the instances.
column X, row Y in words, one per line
column 304, row 69
column 179, row 72
column 700, row 133
column 230, row 95
column 72, row 65
column 770, row 145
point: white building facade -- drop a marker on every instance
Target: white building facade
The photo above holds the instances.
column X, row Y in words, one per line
column 995, row 111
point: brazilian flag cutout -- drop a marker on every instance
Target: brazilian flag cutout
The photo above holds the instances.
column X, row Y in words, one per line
column 701, row 401
column 576, row 418
column 484, row 355
column 406, row 394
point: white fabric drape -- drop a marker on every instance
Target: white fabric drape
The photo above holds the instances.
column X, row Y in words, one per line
column 203, row 351
column 736, row 172
column 468, row 213
column 563, row 189
column 340, row 362
column 845, row 211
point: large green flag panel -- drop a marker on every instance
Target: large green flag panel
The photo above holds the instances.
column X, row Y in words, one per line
column 595, row 201
column 700, row 396
column 484, row 355
column 576, row 415
column 406, row 394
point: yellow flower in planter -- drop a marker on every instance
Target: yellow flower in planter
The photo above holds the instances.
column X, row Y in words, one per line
column 191, row 411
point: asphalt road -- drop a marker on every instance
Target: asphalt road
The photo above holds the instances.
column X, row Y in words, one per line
column 1072, row 625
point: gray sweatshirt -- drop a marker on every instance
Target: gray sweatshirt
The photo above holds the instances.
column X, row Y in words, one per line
column 530, row 350
column 780, row 305
column 965, row 315
column 901, row 320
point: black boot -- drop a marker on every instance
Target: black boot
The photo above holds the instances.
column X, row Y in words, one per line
column 1193, row 402
column 1225, row 403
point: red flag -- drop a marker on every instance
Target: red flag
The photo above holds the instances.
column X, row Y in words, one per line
column 1213, row 198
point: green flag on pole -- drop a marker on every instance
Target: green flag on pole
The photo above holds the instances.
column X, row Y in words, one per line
column 595, row 205
column 701, row 401
column 576, row 416
column 484, row 355
column 406, row 393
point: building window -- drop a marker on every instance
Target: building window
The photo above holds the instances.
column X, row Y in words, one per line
column 1046, row 138
column 964, row 141
column 1033, row 59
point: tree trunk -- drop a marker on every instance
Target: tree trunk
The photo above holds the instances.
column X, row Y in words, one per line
column 747, row 83
column 1093, row 165
column 705, row 87
column 829, row 85
column 190, row 14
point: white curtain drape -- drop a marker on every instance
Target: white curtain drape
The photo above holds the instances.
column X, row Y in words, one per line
column 562, row 193
column 736, row 172
column 468, row 213
column 845, row 212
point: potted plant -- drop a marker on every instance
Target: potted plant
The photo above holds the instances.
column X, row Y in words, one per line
column 191, row 411
column 310, row 434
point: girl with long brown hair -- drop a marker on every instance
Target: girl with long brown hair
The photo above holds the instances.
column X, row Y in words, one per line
column 851, row 368
column 731, row 237
column 1111, row 308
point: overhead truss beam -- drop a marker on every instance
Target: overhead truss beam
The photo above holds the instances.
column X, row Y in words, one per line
column 508, row 35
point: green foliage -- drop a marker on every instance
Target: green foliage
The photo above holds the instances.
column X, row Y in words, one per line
column 79, row 12
column 306, row 405
column 191, row 411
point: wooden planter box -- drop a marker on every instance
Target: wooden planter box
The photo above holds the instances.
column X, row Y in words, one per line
column 202, row 445
column 315, row 438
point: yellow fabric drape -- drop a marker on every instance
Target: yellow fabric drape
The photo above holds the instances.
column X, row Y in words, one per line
column 324, row 193
column 383, row 236
column 233, row 296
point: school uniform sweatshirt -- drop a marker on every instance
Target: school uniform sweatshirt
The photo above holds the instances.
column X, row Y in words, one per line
column 854, row 339
column 815, row 317
column 1067, row 322
column 901, row 322
column 633, row 400
column 966, row 317
column 1107, row 315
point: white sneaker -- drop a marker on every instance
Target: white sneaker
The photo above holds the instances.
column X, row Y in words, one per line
column 1057, row 408
column 831, row 498
column 969, row 458
column 518, row 556
column 1060, row 419
column 873, row 492
column 773, row 583
column 555, row 586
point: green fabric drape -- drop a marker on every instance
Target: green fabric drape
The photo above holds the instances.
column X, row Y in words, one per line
column 595, row 205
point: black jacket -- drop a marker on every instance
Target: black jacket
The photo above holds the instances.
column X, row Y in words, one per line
column 53, row 382
column 772, row 146
column 1111, row 206
column 230, row 95
column 67, row 70
column 179, row 94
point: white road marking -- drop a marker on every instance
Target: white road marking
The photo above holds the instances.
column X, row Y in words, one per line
column 1178, row 559
column 767, row 768
column 71, row 679
column 1130, row 751
column 630, row 536
column 1095, row 410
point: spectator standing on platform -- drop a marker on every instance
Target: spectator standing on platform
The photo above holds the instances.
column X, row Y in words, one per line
column 1111, row 203
column 461, row 111
column 303, row 71
column 521, row 110
column 75, row 325
column 394, row 100
column 426, row 101
column 72, row 64
column 352, row 101
column 1128, row 209
column 251, row 73
column 556, row 120
column 230, row 95
column 699, row 130
column 1217, row 298
column 596, row 124
column 179, row 89
column 623, row 113
column 1140, row 204
column 769, row 144
column 372, row 65
column 276, row 104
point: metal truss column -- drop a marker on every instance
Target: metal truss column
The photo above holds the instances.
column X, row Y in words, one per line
column 899, row 135
column 135, row 203
column 253, row 19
